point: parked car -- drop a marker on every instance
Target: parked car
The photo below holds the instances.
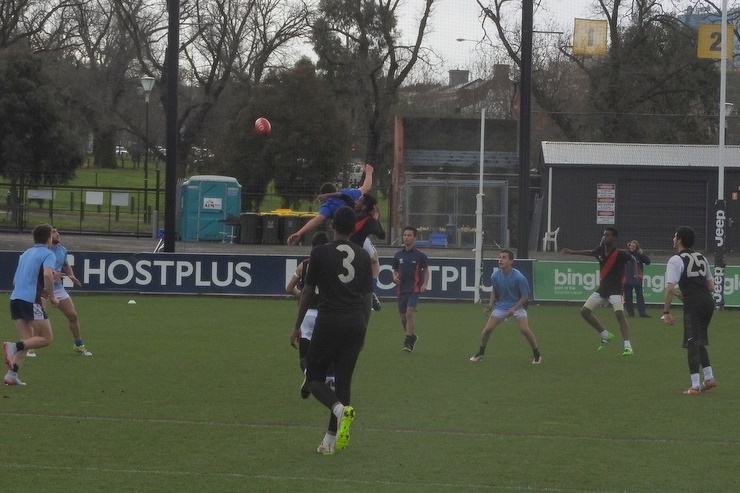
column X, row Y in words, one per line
column 121, row 151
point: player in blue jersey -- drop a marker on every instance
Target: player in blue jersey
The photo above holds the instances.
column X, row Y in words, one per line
column 411, row 276
column 690, row 271
column 509, row 294
column 62, row 268
column 331, row 201
column 34, row 278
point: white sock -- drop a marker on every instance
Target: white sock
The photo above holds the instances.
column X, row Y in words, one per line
column 329, row 439
column 604, row 334
column 338, row 410
column 627, row 344
column 695, row 380
column 708, row 374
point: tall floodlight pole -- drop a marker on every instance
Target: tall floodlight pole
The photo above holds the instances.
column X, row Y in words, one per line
column 173, row 65
column 525, row 128
column 479, row 212
column 720, row 229
column 147, row 83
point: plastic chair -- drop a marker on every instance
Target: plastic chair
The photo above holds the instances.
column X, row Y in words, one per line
column 550, row 237
column 438, row 239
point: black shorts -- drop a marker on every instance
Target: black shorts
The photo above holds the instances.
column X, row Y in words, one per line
column 337, row 339
column 24, row 310
column 696, row 324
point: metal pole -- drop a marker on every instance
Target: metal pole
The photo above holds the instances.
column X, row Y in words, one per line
column 479, row 212
column 170, row 205
column 525, row 128
column 146, row 161
column 720, row 207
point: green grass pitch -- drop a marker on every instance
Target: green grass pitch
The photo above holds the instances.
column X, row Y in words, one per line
column 201, row 394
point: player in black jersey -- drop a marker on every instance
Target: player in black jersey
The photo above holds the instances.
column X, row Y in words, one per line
column 368, row 223
column 612, row 262
column 690, row 270
column 341, row 272
column 300, row 339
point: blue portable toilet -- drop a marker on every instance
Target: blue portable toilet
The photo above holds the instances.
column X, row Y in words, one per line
column 207, row 202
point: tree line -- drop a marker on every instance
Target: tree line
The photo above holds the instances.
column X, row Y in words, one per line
column 70, row 69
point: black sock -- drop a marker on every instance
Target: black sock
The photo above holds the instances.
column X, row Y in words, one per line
column 20, row 346
column 536, row 352
column 481, row 351
column 15, row 367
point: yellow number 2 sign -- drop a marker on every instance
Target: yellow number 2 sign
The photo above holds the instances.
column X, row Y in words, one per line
column 710, row 44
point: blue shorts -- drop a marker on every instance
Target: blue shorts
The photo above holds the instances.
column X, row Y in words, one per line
column 406, row 301
column 24, row 310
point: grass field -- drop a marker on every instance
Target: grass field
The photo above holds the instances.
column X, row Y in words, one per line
column 201, row 394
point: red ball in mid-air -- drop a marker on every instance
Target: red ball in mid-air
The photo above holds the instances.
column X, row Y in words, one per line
column 262, row 126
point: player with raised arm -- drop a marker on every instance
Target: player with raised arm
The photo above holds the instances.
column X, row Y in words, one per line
column 333, row 200
column 690, row 271
column 612, row 262
column 368, row 223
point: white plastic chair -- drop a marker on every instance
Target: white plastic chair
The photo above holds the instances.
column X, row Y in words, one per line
column 550, row 237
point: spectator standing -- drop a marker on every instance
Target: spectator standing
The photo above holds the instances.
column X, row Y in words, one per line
column 633, row 275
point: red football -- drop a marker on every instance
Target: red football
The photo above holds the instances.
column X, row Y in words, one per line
column 262, row 126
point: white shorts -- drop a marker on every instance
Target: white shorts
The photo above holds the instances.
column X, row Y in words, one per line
column 500, row 314
column 598, row 301
column 308, row 323
column 368, row 246
column 61, row 294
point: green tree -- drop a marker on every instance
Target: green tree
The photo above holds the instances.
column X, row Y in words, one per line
column 360, row 49
column 37, row 145
column 650, row 86
column 308, row 144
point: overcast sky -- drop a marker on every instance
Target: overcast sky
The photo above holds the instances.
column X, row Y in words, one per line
column 460, row 19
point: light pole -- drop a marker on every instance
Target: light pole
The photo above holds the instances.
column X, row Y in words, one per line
column 147, row 83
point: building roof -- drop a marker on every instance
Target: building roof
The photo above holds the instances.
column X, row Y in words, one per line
column 653, row 155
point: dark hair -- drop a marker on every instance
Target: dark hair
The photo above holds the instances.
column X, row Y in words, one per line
column 613, row 230
column 369, row 201
column 344, row 220
column 509, row 253
column 41, row 233
column 320, row 238
column 410, row 228
column 327, row 187
column 686, row 236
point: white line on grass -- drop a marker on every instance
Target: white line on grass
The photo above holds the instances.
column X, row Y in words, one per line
column 302, row 479
column 691, row 441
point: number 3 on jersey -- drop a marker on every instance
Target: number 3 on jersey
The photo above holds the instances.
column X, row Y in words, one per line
column 349, row 256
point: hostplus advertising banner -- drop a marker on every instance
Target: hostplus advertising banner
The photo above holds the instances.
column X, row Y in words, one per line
column 256, row 275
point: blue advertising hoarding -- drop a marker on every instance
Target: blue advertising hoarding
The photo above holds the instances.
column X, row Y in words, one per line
column 254, row 275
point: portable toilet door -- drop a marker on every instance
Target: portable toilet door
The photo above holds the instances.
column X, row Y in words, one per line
column 208, row 200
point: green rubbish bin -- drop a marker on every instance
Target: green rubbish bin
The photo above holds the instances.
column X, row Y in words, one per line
column 289, row 224
column 270, row 229
column 250, row 228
